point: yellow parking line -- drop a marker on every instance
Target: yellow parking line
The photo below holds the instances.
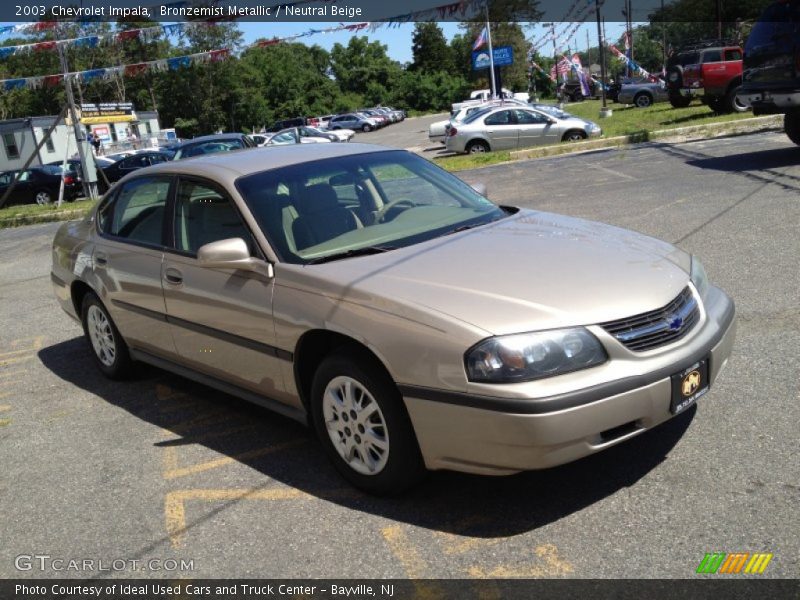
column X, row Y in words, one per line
column 4, row 407
column 4, row 374
column 175, row 472
column 404, row 551
column 413, row 564
column 553, row 566
column 11, row 353
column 175, row 510
column 13, row 361
column 4, row 422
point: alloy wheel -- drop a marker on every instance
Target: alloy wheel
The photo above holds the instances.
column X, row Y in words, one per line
column 101, row 336
column 356, row 425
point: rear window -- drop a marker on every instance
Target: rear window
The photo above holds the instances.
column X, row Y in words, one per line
column 775, row 27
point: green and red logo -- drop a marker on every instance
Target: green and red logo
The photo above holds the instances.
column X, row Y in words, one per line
column 735, row 562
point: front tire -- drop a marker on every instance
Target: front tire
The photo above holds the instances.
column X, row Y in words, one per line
column 366, row 128
column 363, row 426
column 109, row 350
column 574, row 136
column 791, row 125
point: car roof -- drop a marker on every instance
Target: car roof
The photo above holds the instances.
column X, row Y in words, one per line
column 228, row 166
column 219, row 137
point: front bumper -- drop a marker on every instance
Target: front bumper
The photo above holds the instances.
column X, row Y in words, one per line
column 500, row 436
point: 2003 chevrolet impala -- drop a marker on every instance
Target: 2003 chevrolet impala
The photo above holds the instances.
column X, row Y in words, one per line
column 412, row 321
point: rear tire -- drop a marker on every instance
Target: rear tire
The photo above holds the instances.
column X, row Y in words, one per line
column 109, row 350
column 732, row 104
column 43, row 198
column 366, row 128
column 791, row 125
column 477, row 147
column 362, row 423
column 643, row 100
column 679, row 101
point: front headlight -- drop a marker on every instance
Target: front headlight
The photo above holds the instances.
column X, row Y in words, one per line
column 699, row 277
column 529, row 356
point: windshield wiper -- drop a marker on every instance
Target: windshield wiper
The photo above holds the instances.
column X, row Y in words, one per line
column 365, row 251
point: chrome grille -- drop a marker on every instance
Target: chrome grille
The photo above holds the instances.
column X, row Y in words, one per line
column 659, row 327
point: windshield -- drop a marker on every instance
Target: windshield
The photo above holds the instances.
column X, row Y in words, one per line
column 390, row 199
column 553, row 111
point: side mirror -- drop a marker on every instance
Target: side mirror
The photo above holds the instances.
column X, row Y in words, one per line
column 230, row 254
column 481, row 189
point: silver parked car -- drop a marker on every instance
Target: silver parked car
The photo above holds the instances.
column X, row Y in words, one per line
column 509, row 128
column 354, row 121
column 367, row 292
column 642, row 93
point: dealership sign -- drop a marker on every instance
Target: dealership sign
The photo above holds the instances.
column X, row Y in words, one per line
column 503, row 56
column 108, row 112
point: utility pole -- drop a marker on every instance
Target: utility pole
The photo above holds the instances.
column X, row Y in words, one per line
column 84, row 152
column 663, row 42
column 601, row 45
column 491, row 52
column 555, row 62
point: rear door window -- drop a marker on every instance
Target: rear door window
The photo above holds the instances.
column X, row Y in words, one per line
column 137, row 214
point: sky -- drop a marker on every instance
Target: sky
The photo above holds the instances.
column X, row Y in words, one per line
column 398, row 38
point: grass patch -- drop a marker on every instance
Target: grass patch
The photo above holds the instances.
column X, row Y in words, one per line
column 24, row 214
column 472, row 161
column 627, row 120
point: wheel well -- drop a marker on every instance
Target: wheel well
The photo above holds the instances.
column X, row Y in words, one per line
column 77, row 292
column 735, row 82
column 312, row 348
column 642, row 93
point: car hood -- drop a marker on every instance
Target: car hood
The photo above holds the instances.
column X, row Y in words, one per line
column 530, row 271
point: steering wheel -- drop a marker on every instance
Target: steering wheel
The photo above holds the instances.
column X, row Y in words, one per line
column 381, row 214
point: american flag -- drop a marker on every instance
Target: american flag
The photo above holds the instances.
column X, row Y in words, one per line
column 564, row 67
column 481, row 40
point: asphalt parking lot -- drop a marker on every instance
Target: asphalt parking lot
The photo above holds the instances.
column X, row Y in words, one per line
column 161, row 468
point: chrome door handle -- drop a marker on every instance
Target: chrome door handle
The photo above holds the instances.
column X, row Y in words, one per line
column 100, row 258
column 173, row 276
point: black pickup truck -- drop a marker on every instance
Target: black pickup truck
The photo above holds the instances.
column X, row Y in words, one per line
column 771, row 78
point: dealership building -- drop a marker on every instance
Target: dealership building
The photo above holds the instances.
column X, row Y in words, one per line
column 117, row 125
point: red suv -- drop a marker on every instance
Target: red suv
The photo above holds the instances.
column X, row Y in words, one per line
column 710, row 71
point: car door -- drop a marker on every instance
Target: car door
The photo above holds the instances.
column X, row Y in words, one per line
column 127, row 262
column 533, row 128
column 221, row 319
column 501, row 130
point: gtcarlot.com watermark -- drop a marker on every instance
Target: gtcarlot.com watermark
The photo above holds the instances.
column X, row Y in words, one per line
column 48, row 563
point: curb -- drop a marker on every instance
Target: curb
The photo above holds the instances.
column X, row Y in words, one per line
column 685, row 134
column 48, row 217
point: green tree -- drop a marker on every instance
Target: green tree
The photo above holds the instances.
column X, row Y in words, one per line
column 430, row 50
column 362, row 63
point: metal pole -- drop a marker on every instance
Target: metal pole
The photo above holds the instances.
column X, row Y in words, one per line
column 89, row 179
column 663, row 43
column 491, row 52
column 601, row 43
column 555, row 61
